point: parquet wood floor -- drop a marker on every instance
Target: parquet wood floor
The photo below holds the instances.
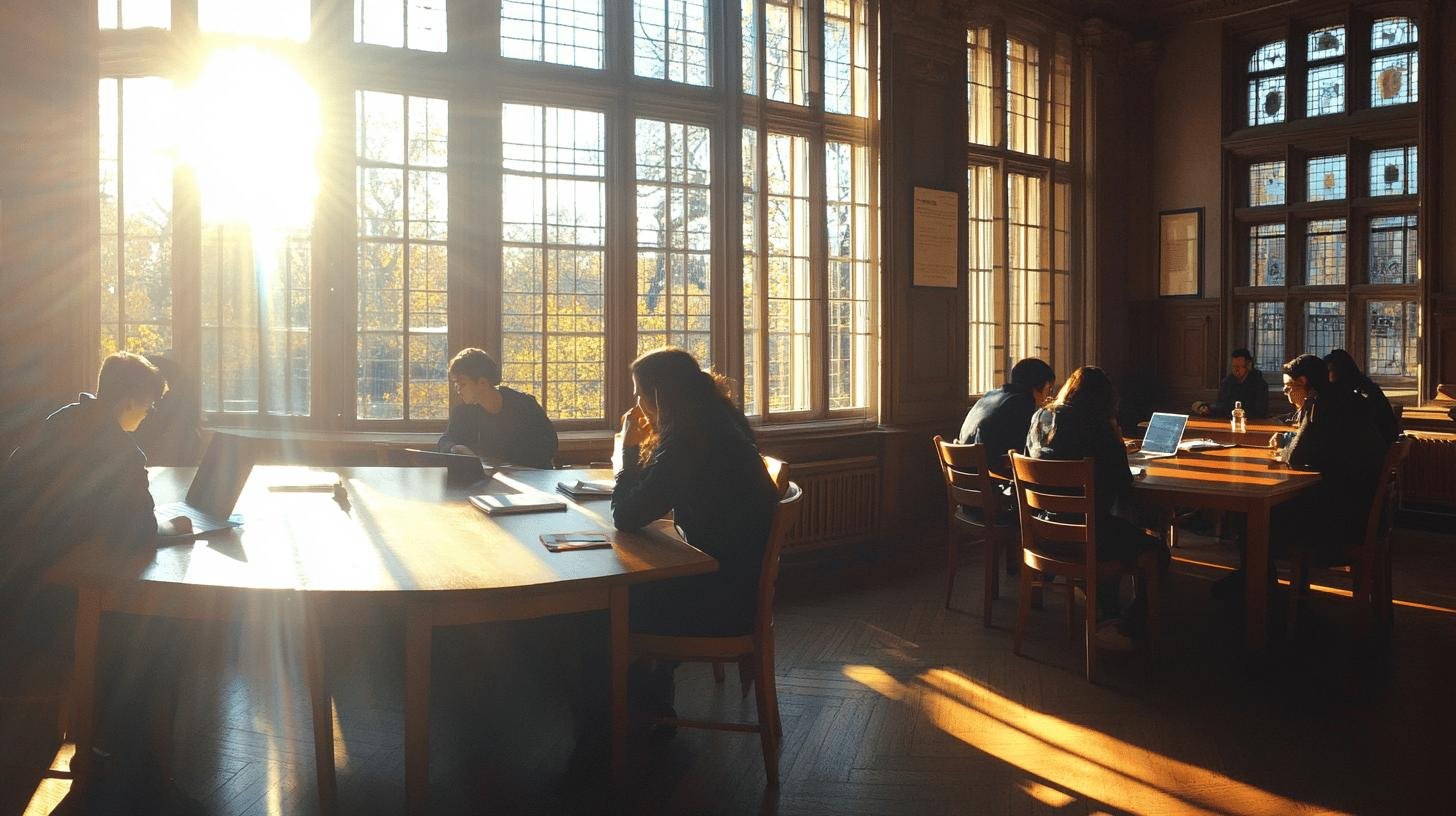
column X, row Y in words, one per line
column 891, row 705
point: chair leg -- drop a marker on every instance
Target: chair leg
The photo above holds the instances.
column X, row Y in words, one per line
column 770, row 680
column 767, row 737
column 1090, row 634
column 718, row 672
column 1150, row 587
column 1023, row 607
column 950, row 566
column 1072, row 611
column 992, row 583
column 745, row 677
column 1298, row 588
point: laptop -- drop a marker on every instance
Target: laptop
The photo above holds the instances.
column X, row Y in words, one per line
column 216, row 485
column 459, row 468
column 1164, row 433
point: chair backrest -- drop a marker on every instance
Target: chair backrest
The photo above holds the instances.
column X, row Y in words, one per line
column 1063, row 489
column 1386, row 501
column 785, row 518
column 967, row 479
column 778, row 471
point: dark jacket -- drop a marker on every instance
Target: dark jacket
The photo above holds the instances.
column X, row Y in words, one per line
column 999, row 420
column 1253, row 392
column 711, row 477
column 1381, row 412
column 1336, row 436
column 1064, row 432
column 521, row 434
column 82, row 478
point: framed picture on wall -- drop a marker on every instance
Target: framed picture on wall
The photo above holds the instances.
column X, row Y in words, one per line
column 1180, row 253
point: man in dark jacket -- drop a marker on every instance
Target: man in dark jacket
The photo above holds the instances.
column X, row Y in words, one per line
column 492, row 421
column 1001, row 418
column 1244, row 384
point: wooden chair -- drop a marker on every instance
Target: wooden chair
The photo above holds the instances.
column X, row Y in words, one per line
column 778, row 471
column 755, row 649
column 1066, row 488
column 1369, row 560
column 977, row 509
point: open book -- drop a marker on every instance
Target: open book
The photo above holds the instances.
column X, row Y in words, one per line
column 586, row 488
column 493, row 504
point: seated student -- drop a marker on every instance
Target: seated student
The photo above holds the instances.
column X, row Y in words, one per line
column 492, row 421
column 687, row 448
column 1001, row 417
column 1345, row 374
column 83, row 479
column 1244, row 384
column 1082, row 422
column 172, row 433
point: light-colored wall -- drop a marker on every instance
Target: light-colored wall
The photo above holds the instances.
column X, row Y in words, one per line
column 1187, row 105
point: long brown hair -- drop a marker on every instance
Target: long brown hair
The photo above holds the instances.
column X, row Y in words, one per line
column 1091, row 392
column 685, row 394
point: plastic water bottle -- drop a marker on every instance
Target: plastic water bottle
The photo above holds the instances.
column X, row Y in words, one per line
column 1237, row 423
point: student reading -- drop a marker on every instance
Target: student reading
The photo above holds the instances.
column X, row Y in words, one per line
column 492, row 421
column 1001, row 417
column 686, row 447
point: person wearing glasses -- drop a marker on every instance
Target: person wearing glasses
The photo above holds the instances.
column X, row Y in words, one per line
column 496, row 423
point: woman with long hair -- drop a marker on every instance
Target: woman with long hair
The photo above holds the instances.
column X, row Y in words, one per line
column 1082, row 422
column 1346, row 375
column 686, row 448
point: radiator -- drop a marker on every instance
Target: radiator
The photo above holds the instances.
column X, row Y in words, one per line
column 841, row 503
column 1430, row 470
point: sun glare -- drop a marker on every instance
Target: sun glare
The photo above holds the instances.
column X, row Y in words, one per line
column 251, row 136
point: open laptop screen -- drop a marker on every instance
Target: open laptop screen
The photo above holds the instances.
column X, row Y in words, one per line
column 1165, row 431
column 221, row 475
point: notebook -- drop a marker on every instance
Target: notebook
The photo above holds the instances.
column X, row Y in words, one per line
column 1164, row 433
column 587, row 488
column 215, row 487
column 493, row 504
column 459, row 468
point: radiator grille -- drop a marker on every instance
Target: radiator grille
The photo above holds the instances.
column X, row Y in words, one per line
column 1430, row 470
column 841, row 502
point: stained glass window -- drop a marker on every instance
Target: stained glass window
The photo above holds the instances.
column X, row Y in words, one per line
column 1324, row 252
column 1265, row 331
column 1393, row 171
column 1325, row 89
column 1394, row 250
column 1394, row 62
column 1324, row 326
column 1392, row 332
column 1325, row 178
column 1266, row 183
column 1266, row 256
column 1266, row 84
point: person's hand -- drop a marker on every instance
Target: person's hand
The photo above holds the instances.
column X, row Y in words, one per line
column 1276, row 440
column 176, row 526
column 462, row 450
column 1132, row 445
column 635, row 427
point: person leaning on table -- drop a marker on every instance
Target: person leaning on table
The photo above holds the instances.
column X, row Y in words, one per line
column 1244, row 383
column 494, row 422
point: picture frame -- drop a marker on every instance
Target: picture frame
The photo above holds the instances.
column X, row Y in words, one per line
column 1180, row 253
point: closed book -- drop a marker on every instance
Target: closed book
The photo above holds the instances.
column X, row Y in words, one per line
column 493, row 504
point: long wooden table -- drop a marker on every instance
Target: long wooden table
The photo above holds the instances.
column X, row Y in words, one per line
column 1243, row 480
column 402, row 537
column 1256, row 436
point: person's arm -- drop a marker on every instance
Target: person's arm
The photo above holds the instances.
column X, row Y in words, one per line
column 455, row 430
column 130, row 517
column 645, row 494
column 1224, row 405
column 1312, row 445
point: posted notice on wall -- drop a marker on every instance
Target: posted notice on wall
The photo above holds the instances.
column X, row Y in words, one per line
column 935, row 238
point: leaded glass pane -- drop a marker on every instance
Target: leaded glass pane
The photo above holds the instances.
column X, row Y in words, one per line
column 1023, row 100
column 1265, row 330
column 1394, row 79
column 1326, row 43
column 785, row 50
column 1391, row 32
column 565, row 32
column 670, row 40
column 1325, row 92
column 414, row 24
column 674, row 238
column 1392, row 331
column 1029, row 297
column 980, row 98
column 1266, row 100
column 1269, row 57
column 981, row 278
column 1324, row 326
column 1325, row 178
column 1324, row 252
column 1394, row 250
column 1266, row 256
column 1266, row 183
column 1393, row 171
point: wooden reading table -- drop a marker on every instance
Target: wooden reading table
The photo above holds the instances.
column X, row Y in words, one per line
column 1243, row 480
column 402, row 537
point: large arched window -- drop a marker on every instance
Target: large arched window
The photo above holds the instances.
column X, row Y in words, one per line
column 311, row 211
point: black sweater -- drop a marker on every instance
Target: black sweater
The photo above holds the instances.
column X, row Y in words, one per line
column 1337, row 437
column 1000, row 420
column 712, row 477
column 520, row 434
column 1064, row 432
column 1253, row 392
column 82, row 478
